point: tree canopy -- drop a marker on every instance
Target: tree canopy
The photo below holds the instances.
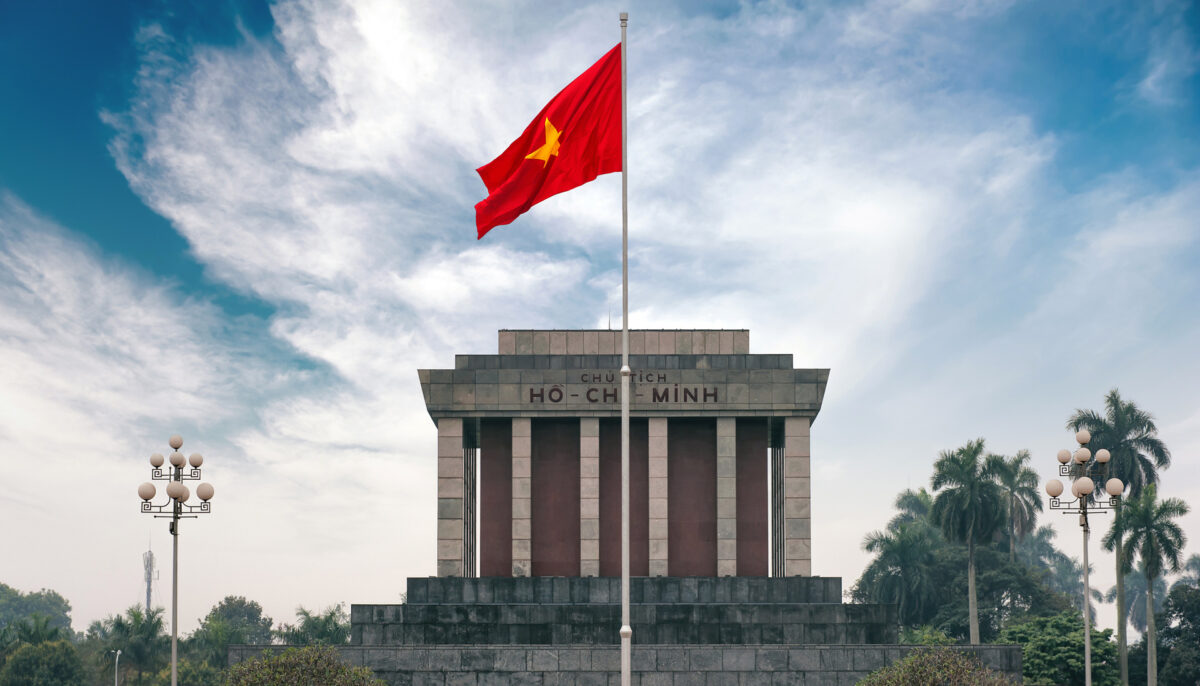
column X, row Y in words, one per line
column 16, row 606
column 50, row 663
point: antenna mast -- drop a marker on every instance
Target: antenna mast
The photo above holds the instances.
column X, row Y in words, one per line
column 148, row 564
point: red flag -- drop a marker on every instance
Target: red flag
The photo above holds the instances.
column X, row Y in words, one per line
column 575, row 138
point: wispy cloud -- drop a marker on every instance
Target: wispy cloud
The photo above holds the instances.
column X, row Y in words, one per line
column 807, row 173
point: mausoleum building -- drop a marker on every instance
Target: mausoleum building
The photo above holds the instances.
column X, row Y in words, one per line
column 528, row 584
column 719, row 456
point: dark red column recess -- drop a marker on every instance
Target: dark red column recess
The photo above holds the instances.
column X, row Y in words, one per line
column 555, row 496
column 495, row 497
column 692, row 497
column 610, row 497
column 752, row 497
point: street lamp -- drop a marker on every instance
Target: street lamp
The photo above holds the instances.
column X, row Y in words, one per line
column 174, row 509
column 116, row 666
column 1086, row 471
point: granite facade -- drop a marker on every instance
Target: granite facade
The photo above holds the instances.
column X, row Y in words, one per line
column 746, row 665
column 677, row 375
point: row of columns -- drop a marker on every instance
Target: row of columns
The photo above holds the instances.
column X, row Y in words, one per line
column 790, row 491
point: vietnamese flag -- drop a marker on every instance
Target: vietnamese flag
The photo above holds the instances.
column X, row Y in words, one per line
column 574, row 139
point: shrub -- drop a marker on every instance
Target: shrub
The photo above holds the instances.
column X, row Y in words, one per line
column 937, row 667
column 308, row 666
column 925, row 635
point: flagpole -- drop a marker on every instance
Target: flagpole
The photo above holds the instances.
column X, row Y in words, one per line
column 626, row 629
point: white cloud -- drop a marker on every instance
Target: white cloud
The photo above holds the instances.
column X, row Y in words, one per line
column 803, row 173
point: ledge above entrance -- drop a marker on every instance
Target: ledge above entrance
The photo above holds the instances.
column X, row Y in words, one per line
column 576, row 373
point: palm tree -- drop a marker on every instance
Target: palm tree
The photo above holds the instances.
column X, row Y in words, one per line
column 141, row 638
column 1191, row 573
column 1158, row 541
column 330, row 626
column 36, row 629
column 1019, row 485
column 968, row 508
column 1135, row 594
column 1129, row 434
column 913, row 506
column 1066, row 577
column 1037, row 549
column 902, row 571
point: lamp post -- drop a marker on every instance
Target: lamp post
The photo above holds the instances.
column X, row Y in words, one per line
column 174, row 509
column 116, row 666
column 1086, row 471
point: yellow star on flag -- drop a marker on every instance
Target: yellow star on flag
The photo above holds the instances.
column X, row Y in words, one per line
column 549, row 148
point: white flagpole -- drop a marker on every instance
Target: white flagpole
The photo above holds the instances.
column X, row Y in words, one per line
column 626, row 629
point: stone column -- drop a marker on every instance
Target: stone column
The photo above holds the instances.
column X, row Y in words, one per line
column 522, row 510
column 797, row 545
column 727, row 496
column 589, row 496
column 450, row 497
column 658, row 496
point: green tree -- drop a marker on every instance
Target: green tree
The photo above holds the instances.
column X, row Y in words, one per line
column 308, row 665
column 902, row 571
column 1052, row 651
column 50, row 663
column 16, row 606
column 331, row 626
column 968, row 507
column 1130, row 435
column 1037, row 549
column 142, row 640
column 37, row 629
column 1019, row 485
column 234, row 620
column 937, row 667
column 1158, row 542
column 1066, row 577
column 1181, row 636
column 1190, row 573
column 1008, row 592
column 912, row 506
column 244, row 617
column 192, row 673
column 1135, row 596
column 925, row 635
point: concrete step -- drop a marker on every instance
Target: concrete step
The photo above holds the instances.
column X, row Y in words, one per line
column 669, row 589
column 597, row 623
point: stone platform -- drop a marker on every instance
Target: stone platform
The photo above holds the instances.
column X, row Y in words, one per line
column 690, row 631
column 587, row 611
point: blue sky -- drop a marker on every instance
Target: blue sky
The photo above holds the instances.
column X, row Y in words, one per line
column 251, row 222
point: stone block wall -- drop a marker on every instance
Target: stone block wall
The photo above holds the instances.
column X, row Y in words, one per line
column 746, row 665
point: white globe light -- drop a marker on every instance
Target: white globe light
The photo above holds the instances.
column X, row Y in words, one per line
column 1075, row 489
column 1064, row 456
column 1084, row 485
column 1102, row 455
column 177, row 459
column 146, row 491
column 1083, row 436
column 185, row 495
column 177, row 441
column 1114, row 487
column 174, row 489
column 1083, row 455
column 1054, row 487
column 204, row 492
column 196, row 459
column 156, row 460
